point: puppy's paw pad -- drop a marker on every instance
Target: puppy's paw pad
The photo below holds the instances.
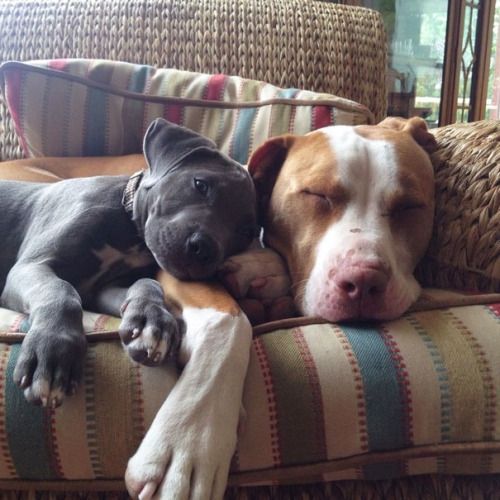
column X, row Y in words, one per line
column 149, row 332
column 49, row 367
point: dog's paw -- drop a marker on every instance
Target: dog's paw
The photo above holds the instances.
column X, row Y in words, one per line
column 50, row 366
column 193, row 464
column 188, row 448
column 149, row 331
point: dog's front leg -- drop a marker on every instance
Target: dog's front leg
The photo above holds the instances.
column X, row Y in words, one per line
column 51, row 360
column 150, row 330
column 188, row 449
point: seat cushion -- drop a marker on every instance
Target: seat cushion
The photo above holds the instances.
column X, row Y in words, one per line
column 420, row 394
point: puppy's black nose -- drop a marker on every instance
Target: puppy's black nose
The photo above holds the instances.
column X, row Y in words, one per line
column 201, row 247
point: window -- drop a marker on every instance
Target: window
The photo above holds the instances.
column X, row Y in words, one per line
column 444, row 58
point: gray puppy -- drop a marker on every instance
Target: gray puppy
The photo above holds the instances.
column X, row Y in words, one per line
column 97, row 241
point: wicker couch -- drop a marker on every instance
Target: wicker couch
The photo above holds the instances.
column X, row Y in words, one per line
column 420, row 395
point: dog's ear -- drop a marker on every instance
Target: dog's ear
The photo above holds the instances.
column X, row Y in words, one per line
column 416, row 127
column 166, row 145
column 264, row 166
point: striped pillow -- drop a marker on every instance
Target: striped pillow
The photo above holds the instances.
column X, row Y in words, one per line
column 79, row 107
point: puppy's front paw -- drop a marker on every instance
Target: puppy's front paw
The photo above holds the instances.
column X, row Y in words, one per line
column 50, row 366
column 149, row 331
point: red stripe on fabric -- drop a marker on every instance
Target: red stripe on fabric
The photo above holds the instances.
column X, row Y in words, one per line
column 495, row 308
column 138, row 404
column 59, row 64
column 13, row 80
column 15, row 326
column 271, row 400
column 322, row 116
column 100, row 323
column 215, row 88
column 174, row 113
column 4, row 447
column 51, row 442
column 90, row 413
column 360, row 393
column 315, row 387
column 403, row 380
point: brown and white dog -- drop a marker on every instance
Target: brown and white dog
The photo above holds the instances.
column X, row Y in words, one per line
column 349, row 209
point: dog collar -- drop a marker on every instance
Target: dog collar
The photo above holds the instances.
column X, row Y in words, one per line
column 130, row 190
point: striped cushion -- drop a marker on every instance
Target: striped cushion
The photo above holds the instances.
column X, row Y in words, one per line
column 416, row 395
column 92, row 107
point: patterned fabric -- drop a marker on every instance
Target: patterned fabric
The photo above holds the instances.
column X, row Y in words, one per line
column 416, row 395
column 464, row 251
column 93, row 107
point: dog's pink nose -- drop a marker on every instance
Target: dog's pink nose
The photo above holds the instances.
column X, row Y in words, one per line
column 361, row 283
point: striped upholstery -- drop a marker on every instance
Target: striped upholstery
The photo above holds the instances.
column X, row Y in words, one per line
column 416, row 395
column 93, row 107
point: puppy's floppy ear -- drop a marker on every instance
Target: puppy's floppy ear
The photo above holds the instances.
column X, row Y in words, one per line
column 166, row 145
column 264, row 166
column 416, row 127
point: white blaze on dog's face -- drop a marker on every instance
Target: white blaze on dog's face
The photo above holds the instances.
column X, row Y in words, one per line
column 350, row 209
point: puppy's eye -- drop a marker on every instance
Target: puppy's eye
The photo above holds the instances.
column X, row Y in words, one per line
column 201, row 186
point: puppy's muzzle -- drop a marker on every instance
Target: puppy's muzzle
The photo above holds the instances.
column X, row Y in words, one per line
column 201, row 248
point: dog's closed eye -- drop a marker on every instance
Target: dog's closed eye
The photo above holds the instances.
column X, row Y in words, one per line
column 322, row 201
column 403, row 208
column 328, row 200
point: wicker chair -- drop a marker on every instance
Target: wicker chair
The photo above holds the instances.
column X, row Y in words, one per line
column 313, row 45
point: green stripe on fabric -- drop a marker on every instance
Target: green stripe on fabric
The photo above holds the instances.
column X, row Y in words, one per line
column 94, row 143
column 26, row 429
column 384, row 408
column 139, row 78
column 295, row 405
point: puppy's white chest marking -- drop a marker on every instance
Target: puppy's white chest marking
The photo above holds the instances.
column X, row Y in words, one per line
column 135, row 257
